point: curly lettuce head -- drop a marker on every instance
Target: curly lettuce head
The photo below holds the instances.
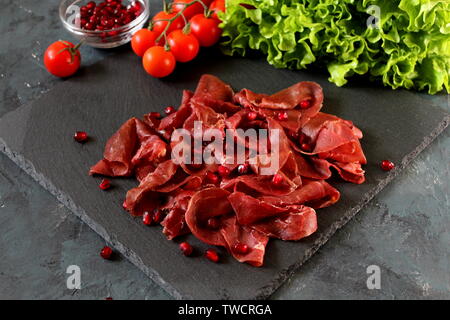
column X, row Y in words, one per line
column 407, row 45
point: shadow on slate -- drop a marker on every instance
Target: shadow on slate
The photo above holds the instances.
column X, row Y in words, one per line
column 38, row 137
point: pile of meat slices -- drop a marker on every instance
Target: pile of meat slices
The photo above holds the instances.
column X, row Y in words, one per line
column 248, row 208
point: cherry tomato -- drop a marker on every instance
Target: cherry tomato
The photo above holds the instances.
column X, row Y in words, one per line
column 184, row 46
column 142, row 40
column 62, row 59
column 158, row 62
column 207, row 2
column 217, row 5
column 206, row 30
column 191, row 11
column 159, row 26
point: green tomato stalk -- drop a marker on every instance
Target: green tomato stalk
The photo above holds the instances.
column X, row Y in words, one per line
column 171, row 20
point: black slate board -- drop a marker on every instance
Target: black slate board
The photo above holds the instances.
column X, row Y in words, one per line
column 38, row 137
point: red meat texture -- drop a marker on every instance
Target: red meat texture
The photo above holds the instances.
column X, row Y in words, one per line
column 248, row 208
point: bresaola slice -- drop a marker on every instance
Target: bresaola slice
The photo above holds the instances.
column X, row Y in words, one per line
column 212, row 87
column 119, row 151
column 233, row 233
column 249, row 210
column 200, row 211
column 292, row 222
column 174, row 223
column 299, row 222
column 336, row 142
column 166, row 178
column 133, row 142
column 287, row 100
column 240, row 209
column 314, row 193
column 258, row 184
column 177, row 119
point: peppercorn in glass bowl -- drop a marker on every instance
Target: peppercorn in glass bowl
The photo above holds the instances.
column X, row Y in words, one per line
column 104, row 23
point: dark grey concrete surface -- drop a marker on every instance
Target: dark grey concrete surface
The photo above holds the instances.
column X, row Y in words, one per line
column 38, row 137
column 405, row 231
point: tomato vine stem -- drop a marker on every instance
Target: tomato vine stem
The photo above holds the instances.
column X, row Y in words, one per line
column 72, row 50
column 180, row 13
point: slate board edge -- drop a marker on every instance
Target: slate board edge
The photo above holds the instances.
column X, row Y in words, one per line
column 284, row 275
column 266, row 291
column 29, row 168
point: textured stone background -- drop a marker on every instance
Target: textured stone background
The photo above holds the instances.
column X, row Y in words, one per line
column 405, row 230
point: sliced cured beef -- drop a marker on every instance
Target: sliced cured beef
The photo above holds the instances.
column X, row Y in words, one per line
column 200, row 211
column 132, row 142
column 235, row 234
column 212, row 87
column 285, row 100
column 235, row 202
column 300, row 222
column 174, row 223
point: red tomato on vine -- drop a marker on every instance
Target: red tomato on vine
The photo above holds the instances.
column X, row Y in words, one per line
column 207, row 2
column 217, row 5
column 143, row 40
column 159, row 26
column 158, row 62
column 206, row 30
column 191, row 11
column 184, row 46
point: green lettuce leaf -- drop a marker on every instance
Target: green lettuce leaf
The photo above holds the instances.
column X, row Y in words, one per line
column 409, row 48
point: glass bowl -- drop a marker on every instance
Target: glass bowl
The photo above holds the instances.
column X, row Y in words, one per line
column 69, row 12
